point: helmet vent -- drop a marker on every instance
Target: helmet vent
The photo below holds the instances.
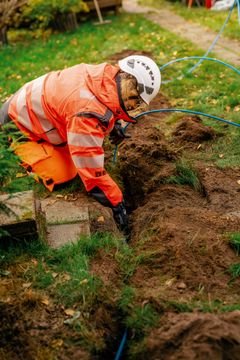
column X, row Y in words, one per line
column 140, row 88
column 131, row 63
column 149, row 90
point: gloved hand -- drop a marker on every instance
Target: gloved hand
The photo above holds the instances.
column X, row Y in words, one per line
column 121, row 218
column 117, row 135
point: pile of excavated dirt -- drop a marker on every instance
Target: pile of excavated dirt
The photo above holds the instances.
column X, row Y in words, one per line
column 195, row 336
column 181, row 233
column 183, row 230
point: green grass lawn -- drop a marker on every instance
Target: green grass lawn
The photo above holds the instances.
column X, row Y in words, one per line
column 209, row 19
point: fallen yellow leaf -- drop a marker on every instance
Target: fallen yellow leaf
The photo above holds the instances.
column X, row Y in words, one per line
column 66, row 277
column 69, row 312
column 45, row 301
column 20, row 175
column 84, row 281
column 34, row 261
column 101, row 219
column 170, row 282
column 26, row 285
column 74, row 42
column 57, row 343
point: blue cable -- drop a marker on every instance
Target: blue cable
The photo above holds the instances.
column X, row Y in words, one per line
column 175, row 110
column 121, row 346
column 216, row 38
column 188, row 112
column 198, row 57
column 238, row 6
column 205, row 57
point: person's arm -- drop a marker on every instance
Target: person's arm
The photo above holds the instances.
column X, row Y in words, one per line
column 85, row 138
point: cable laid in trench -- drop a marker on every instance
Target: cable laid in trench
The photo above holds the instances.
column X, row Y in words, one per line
column 121, row 346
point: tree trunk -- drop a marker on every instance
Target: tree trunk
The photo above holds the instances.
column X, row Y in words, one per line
column 66, row 22
column 3, row 35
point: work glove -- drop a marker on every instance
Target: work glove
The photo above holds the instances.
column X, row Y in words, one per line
column 117, row 135
column 121, row 219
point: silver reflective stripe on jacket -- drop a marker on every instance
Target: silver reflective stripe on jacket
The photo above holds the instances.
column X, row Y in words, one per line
column 36, row 91
column 82, row 162
column 84, row 140
column 23, row 117
column 36, row 100
column 4, row 118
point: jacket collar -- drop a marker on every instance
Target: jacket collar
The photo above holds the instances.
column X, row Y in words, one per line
column 104, row 82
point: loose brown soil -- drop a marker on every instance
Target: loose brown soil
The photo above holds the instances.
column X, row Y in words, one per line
column 195, row 336
column 182, row 234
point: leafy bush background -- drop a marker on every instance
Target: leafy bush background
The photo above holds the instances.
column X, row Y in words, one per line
column 42, row 12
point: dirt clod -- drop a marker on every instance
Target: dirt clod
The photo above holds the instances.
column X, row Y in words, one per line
column 191, row 129
column 195, row 336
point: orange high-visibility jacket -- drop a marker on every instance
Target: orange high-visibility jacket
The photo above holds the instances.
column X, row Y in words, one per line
column 78, row 105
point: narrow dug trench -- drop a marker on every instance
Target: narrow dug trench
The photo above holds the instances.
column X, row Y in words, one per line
column 179, row 228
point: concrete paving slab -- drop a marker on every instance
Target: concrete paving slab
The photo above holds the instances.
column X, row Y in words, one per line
column 66, row 220
column 20, row 220
column 59, row 235
column 59, row 211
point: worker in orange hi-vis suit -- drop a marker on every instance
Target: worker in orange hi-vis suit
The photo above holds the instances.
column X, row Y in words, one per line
column 66, row 115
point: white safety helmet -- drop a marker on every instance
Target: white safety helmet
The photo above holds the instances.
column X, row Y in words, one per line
column 147, row 73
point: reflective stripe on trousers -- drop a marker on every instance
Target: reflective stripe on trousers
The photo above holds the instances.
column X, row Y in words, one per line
column 83, row 162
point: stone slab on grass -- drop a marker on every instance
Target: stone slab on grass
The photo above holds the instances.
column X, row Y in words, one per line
column 59, row 235
column 66, row 220
column 19, row 218
column 64, row 212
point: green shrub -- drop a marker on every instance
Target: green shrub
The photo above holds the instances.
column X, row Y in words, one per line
column 43, row 12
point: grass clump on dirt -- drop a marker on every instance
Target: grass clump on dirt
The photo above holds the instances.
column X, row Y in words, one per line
column 235, row 270
column 185, row 175
column 235, row 242
column 141, row 319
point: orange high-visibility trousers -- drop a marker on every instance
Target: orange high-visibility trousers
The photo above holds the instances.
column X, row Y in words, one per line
column 53, row 164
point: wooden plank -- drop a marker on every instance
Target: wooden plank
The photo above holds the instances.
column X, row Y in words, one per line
column 104, row 4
